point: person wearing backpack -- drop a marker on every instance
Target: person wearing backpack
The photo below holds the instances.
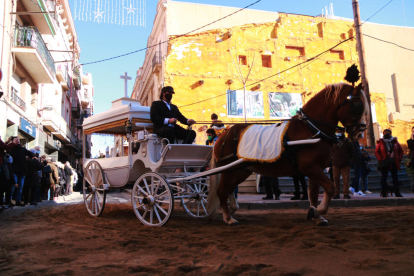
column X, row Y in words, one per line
column 6, row 181
column 389, row 154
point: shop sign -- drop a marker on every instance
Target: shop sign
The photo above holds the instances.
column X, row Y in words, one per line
column 27, row 127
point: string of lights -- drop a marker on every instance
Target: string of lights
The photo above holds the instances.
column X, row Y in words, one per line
column 176, row 37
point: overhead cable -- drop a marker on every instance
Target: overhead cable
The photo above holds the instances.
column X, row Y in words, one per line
column 309, row 60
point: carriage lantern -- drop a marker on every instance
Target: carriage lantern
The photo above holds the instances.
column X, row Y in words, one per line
column 128, row 128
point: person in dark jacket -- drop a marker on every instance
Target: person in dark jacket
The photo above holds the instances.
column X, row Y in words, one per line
column 389, row 148
column 164, row 116
column 6, row 184
column 62, row 181
column 365, row 169
column 80, row 181
column 32, row 180
column 341, row 164
column 68, row 174
column 45, row 182
column 410, row 163
column 54, row 177
column 19, row 155
column 356, row 165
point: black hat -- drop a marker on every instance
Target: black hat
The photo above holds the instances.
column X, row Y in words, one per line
column 167, row 89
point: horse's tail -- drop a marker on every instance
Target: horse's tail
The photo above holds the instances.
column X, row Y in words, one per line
column 213, row 201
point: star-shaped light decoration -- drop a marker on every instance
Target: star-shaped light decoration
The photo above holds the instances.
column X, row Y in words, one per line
column 98, row 14
column 130, row 9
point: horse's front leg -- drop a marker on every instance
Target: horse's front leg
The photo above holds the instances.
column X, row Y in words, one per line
column 223, row 193
column 316, row 178
column 233, row 203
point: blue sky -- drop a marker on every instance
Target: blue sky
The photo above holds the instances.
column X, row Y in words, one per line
column 100, row 41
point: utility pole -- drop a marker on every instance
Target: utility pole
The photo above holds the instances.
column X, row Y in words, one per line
column 362, row 66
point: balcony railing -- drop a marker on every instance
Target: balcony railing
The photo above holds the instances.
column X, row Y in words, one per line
column 19, row 102
column 79, row 123
column 156, row 61
column 30, row 37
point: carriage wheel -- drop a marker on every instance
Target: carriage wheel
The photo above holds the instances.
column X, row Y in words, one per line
column 196, row 206
column 94, row 194
column 152, row 199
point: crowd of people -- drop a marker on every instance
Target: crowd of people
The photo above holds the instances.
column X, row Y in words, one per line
column 27, row 178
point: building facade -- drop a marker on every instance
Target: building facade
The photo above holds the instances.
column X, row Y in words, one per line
column 42, row 80
column 390, row 71
column 256, row 48
column 208, row 69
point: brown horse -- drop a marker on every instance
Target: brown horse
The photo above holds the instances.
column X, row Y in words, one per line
column 336, row 103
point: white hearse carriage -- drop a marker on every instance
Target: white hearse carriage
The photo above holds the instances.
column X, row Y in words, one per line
column 159, row 173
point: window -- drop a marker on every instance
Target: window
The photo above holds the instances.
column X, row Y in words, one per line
column 337, row 54
column 294, row 51
column 242, row 60
column 267, row 61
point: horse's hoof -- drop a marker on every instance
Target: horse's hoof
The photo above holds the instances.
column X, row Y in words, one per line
column 322, row 223
column 232, row 222
column 311, row 213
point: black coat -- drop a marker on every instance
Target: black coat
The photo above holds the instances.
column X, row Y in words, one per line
column 160, row 111
column 10, row 182
column 68, row 173
column 32, row 176
column 62, row 176
column 19, row 154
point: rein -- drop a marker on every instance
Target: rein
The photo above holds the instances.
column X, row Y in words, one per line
column 310, row 123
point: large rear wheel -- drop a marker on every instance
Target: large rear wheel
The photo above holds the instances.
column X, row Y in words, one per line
column 152, row 199
column 94, row 194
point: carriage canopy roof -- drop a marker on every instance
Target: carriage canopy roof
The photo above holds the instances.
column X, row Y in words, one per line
column 113, row 120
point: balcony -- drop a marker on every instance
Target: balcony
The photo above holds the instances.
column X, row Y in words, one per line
column 157, row 62
column 75, row 110
column 79, row 123
column 19, row 102
column 51, row 119
column 62, row 74
column 85, row 99
column 86, row 112
column 45, row 22
column 86, row 78
column 77, row 78
column 31, row 51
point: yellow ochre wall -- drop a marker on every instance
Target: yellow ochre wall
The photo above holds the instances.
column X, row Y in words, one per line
column 205, row 56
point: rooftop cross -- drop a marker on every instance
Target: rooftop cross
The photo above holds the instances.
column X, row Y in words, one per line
column 126, row 78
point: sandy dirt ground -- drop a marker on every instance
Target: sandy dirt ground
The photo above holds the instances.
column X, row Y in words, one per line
column 65, row 240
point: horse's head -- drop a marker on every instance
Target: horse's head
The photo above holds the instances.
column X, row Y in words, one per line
column 351, row 110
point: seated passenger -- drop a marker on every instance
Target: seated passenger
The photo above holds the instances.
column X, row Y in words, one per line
column 164, row 116
column 211, row 137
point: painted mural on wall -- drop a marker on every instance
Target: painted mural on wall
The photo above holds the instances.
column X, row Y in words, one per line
column 284, row 105
column 254, row 104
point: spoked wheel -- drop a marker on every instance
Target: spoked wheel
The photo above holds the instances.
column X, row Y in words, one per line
column 94, row 194
column 196, row 205
column 152, row 199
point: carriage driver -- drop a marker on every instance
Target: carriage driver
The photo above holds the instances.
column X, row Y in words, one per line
column 164, row 116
